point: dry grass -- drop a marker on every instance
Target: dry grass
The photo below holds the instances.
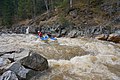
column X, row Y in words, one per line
column 24, row 22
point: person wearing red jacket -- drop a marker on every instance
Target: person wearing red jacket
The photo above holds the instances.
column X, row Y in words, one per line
column 40, row 34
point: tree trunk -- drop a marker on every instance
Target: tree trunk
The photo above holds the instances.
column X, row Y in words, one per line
column 52, row 6
column 34, row 9
column 71, row 3
column 46, row 4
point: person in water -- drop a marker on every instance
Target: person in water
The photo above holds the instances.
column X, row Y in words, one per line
column 42, row 36
column 52, row 37
column 49, row 34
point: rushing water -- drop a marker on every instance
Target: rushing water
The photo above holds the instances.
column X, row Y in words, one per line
column 71, row 59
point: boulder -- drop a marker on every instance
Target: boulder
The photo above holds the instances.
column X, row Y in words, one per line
column 114, row 38
column 63, row 32
column 8, row 75
column 72, row 34
column 10, row 62
column 22, row 54
column 102, row 37
column 35, row 61
column 15, row 55
column 117, row 32
column 2, row 71
column 4, row 61
column 33, row 29
column 18, row 69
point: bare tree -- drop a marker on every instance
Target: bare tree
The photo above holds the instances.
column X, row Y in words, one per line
column 71, row 3
column 52, row 6
column 34, row 8
column 46, row 4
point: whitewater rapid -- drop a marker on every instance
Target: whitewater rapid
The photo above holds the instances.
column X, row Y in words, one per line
column 70, row 59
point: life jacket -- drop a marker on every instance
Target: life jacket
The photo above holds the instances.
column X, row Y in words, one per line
column 40, row 34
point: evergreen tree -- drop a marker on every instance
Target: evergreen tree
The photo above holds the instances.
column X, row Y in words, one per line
column 28, row 8
column 1, row 7
column 40, row 7
column 21, row 9
column 7, row 12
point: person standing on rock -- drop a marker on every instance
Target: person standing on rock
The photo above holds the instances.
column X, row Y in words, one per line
column 27, row 30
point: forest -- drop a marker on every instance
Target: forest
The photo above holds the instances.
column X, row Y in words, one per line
column 13, row 11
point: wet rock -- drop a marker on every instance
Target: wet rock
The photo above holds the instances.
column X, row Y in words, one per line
column 22, row 54
column 4, row 61
column 72, row 34
column 1, row 61
column 33, row 73
column 2, row 71
column 3, row 64
column 20, row 29
column 114, row 38
column 33, row 29
column 96, row 30
column 116, row 20
column 102, row 37
column 9, row 61
column 63, row 32
column 8, row 75
column 18, row 69
column 15, row 56
column 35, row 62
column 117, row 32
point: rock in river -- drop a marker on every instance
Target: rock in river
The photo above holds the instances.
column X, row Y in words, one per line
column 8, row 75
column 35, row 61
column 114, row 38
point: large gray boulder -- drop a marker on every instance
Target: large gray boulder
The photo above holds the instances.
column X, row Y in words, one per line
column 14, row 55
column 18, row 69
column 35, row 61
column 8, row 75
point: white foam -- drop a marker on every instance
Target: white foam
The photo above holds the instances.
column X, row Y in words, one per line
column 104, row 53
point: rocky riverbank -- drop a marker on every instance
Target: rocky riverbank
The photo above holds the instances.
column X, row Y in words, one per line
column 76, row 22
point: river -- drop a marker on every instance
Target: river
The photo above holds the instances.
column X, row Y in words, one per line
column 70, row 58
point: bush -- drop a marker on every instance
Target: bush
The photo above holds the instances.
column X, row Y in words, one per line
column 63, row 20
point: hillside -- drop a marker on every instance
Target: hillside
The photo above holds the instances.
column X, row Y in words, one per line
column 84, row 18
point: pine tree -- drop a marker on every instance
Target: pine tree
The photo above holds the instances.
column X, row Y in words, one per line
column 1, row 2
column 21, row 9
column 28, row 8
column 40, row 7
column 7, row 12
